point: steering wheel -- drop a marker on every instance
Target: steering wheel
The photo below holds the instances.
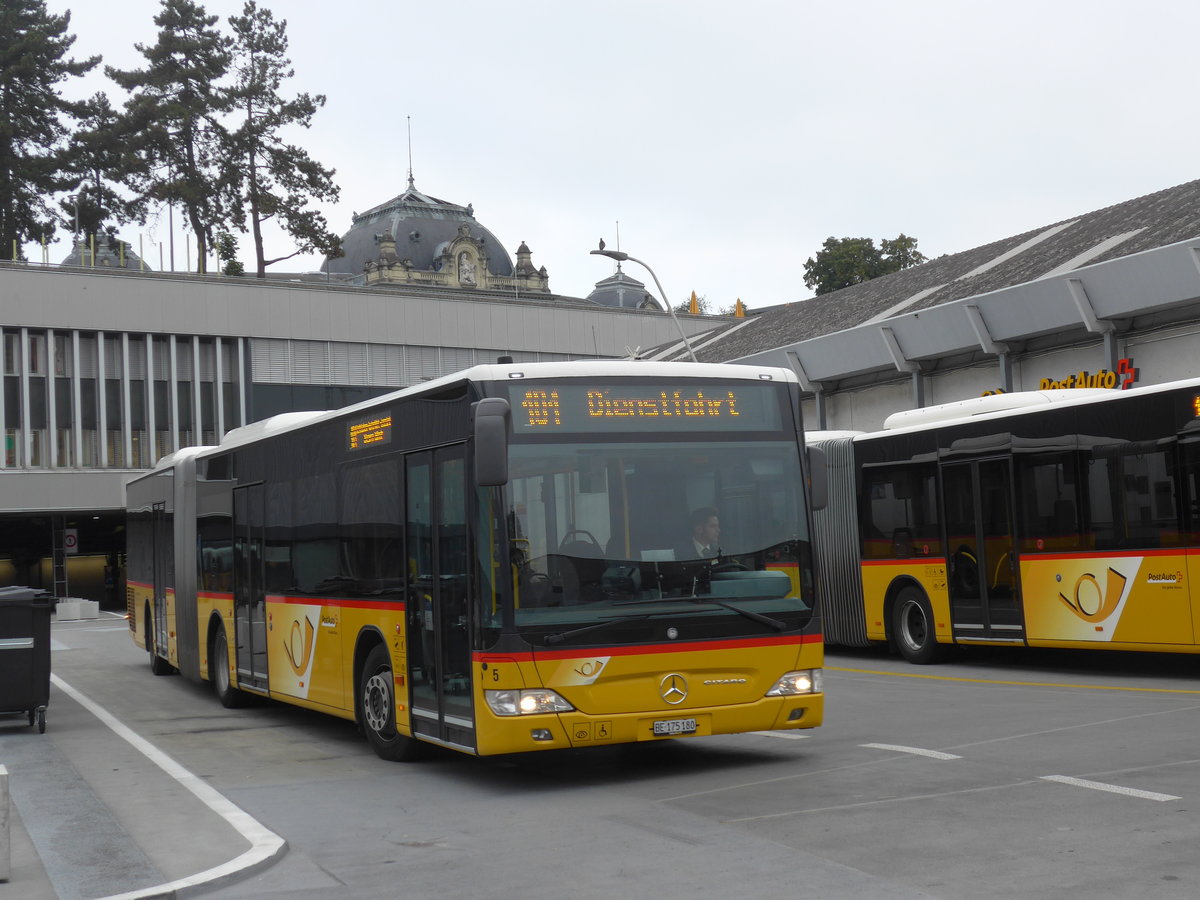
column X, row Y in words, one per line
column 729, row 565
column 587, row 534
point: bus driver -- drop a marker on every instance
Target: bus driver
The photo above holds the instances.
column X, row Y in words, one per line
column 706, row 535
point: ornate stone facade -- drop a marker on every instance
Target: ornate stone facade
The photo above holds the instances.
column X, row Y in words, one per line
column 461, row 263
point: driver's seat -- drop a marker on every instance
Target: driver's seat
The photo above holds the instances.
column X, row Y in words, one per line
column 584, row 560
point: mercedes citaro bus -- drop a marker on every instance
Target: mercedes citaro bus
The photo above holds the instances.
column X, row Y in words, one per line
column 498, row 560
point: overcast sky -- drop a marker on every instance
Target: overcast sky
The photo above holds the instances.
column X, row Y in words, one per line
column 728, row 139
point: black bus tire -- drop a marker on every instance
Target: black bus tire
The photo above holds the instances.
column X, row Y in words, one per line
column 377, row 709
column 912, row 627
column 158, row 665
column 218, row 671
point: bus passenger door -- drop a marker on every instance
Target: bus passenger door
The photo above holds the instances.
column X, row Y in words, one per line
column 981, row 551
column 249, row 602
column 437, row 546
column 163, row 537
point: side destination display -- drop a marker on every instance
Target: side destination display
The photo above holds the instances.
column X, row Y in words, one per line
column 377, row 430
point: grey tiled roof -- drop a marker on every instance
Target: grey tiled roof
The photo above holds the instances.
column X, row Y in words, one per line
column 1144, row 223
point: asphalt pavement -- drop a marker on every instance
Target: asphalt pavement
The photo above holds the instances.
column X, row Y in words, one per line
column 96, row 810
column 1000, row 773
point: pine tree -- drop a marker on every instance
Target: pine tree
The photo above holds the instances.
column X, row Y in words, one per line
column 173, row 118
column 33, row 118
column 97, row 164
column 274, row 180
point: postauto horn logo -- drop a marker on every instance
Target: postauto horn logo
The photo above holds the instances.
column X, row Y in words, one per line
column 1094, row 603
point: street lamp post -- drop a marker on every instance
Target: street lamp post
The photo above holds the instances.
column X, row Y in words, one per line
column 621, row 256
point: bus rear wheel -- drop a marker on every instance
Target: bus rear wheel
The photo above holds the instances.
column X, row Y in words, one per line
column 912, row 627
column 377, row 709
column 218, row 671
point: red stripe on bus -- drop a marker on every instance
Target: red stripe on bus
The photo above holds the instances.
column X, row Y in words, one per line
column 1105, row 554
column 337, row 602
column 907, row 561
column 684, row 647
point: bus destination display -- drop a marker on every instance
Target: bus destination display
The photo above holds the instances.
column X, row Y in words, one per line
column 365, row 434
column 666, row 407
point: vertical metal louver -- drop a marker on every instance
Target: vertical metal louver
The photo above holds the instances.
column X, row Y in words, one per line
column 112, row 356
column 88, row 356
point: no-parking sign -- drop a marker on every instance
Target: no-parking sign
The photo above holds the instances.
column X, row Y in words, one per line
column 70, row 541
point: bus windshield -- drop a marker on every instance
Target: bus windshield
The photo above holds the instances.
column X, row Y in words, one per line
column 615, row 542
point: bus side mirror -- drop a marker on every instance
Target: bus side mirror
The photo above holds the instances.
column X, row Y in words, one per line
column 490, row 423
column 818, row 478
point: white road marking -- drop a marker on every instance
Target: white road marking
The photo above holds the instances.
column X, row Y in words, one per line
column 918, row 751
column 786, row 735
column 265, row 845
column 1110, row 788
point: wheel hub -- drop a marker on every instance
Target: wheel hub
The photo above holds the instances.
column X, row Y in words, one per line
column 377, row 698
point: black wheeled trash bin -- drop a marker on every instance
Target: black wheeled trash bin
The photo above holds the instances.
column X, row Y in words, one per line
column 25, row 653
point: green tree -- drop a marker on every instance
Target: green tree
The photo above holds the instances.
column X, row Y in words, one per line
column 842, row 262
column 275, row 180
column 34, row 118
column 96, row 163
column 901, row 252
column 173, row 123
column 226, row 245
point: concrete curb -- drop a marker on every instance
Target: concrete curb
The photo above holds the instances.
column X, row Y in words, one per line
column 265, row 846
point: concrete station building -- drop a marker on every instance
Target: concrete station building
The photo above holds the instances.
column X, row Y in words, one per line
column 1109, row 298
column 107, row 368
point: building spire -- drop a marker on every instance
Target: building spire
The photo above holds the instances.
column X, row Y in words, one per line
column 618, row 245
column 411, row 185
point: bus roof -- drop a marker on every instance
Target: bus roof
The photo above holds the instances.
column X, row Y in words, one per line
column 998, row 406
column 500, row 372
column 980, row 406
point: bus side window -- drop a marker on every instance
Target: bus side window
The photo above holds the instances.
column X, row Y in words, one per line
column 900, row 512
column 1049, row 511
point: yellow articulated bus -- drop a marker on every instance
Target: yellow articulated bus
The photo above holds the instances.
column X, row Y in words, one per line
column 1062, row 518
column 502, row 560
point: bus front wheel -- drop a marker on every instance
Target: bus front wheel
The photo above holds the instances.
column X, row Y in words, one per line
column 218, row 670
column 912, row 627
column 377, row 708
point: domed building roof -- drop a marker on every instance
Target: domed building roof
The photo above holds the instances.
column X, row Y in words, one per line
column 622, row 291
column 423, row 228
column 109, row 253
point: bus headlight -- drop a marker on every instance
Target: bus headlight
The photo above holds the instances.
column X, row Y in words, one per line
column 806, row 681
column 526, row 703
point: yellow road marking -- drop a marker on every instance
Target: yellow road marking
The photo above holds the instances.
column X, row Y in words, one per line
column 1047, row 684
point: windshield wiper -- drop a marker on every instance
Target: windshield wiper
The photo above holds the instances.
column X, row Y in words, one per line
column 748, row 613
column 559, row 636
column 776, row 624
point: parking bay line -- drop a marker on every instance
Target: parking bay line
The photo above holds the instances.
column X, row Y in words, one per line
column 265, row 845
column 1008, row 683
column 917, row 751
column 786, row 735
column 1110, row 788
